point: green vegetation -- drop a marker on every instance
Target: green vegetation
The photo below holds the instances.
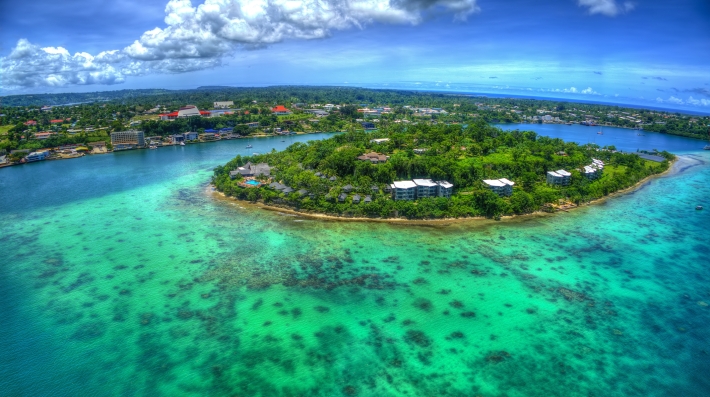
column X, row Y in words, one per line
column 463, row 156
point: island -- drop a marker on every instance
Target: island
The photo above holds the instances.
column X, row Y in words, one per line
column 425, row 171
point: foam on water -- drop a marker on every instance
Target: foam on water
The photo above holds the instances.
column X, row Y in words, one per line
column 164, row 290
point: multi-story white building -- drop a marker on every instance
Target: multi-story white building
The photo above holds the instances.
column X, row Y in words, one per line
column 501, row 187
column 128, row 138
column 445, row 189
column 426, row 188
column 559, row 177
column 403, row 190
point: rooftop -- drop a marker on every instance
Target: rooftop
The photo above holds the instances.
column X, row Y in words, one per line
column 404, row 184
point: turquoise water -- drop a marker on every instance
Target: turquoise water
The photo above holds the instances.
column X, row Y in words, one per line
column 252, row 182
column 124, row 275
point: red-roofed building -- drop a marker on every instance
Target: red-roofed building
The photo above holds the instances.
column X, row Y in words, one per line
column 56, row 121
column 204, row 113
column 169, row 116
column 30, row 122
column 280, row 110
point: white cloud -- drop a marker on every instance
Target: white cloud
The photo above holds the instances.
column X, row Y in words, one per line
column 675, row 100
column 198, row 37
column 609, row 8
column 699, row 102
column 572, row 90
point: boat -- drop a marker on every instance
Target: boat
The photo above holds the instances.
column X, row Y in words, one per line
column 707, row 147
column 600, row 132
column 249, row 146
column 152, row 147
column 182, row 143
column 699, row 207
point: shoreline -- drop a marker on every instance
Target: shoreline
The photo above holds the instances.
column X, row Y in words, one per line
column 210, row 189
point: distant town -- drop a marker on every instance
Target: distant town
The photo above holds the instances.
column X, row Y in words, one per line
column 37, row 133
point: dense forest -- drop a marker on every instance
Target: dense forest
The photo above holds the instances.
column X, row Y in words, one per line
column 463, row 156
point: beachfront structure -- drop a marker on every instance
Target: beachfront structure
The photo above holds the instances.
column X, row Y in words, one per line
column 373, row 157
column 404, row 190
column 445, row 189
column 426, row 188
column 250, row 169
column 558, row 178
column 36, row 156
column 125, row 139
column 501, row 187
column 223, row 104
column 594, row 170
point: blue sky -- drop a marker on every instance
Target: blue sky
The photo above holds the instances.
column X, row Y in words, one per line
column 641, row 52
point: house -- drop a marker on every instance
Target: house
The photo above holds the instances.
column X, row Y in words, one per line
column 426, row 188
column 177, row 138
column 368, row 199
column 223, row 104
column 403, row 190
column 287, row 190
column 56, row 121
column 36, row 156
column 348, row 188
column 594, row 170
column 379, row 140
column 420, row 151
column 445, row 189
column 280, row 110
column 43, row 135
column 190, row 136
column 250, row 169
column 302, row 192
column 367, row 125
column 30, row 122
column 373, row 157
column 332, row 178
column 558, row 178
column 501, row 187
column 375, row 189
column 356, row 199
column 342, row 197
column 317, row 112
column 253, row 125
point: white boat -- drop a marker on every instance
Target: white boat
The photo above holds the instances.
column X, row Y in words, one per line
column 152, row 147
column 182, row 143
column 249, row 146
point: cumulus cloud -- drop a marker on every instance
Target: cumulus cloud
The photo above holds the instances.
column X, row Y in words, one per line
column 609, row 8
column 699, row 102
column 199, row 37
column 573, row 90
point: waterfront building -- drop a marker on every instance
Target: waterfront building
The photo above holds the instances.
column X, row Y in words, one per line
column 250, row 169
column 403, row 190
column 593, row 171
column 36, row 156
column 132, row 137
column 501, row 187
column 445, row 189
column 558, row 178
column 426, row 188
column 190, row 136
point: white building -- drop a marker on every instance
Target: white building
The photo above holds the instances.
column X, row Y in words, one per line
column 127, row 138
column 445, row 189
column 426, row 188
column 559, row 177
column 379, row 140
column 223, row 104
column 501, row 187
column 188, row 111
column 403, row 190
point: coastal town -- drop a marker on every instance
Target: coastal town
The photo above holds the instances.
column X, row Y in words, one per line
column 30, row 134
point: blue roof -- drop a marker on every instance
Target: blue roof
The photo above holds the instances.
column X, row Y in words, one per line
column 210, row 130
column 227, row 129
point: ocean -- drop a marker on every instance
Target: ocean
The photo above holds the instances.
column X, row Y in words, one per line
column 124, row 275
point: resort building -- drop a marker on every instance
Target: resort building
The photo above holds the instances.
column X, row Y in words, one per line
column 558, row 178
column 445, row 189
column 223, row 104
column 250, row 169
column 426, row 188
column 373, row 157
column 403, row 190
column 501, row 187
column 593, row 171
column 123, row 139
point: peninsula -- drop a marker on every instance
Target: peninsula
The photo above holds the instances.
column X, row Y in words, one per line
column 426, row 171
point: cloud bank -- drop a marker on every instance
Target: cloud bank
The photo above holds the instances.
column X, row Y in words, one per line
column 199, row 37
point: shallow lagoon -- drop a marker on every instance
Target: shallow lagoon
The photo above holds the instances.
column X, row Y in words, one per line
column 122, row 275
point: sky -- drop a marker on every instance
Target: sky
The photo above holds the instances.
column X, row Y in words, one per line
column 644, row 52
